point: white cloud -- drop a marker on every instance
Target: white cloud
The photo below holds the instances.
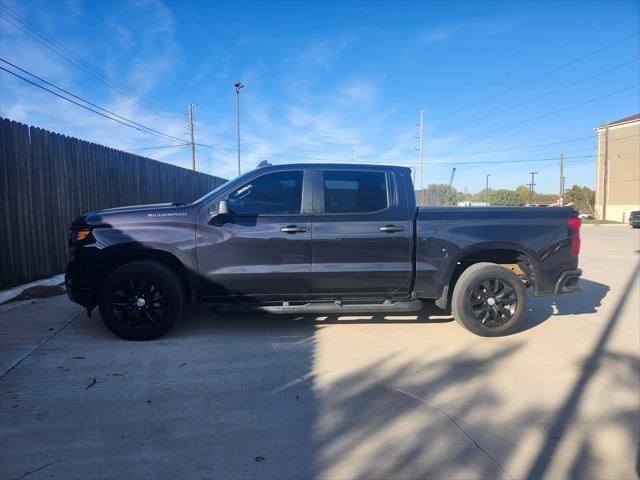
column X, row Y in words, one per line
column 323, row 52
column 441, row 33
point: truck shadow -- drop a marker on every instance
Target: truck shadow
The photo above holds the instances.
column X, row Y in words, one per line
column 278, row 398
column 541, row 309
column 585, row 301
column 204, row 318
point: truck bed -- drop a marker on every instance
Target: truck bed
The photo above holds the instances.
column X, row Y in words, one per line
column 446, row 237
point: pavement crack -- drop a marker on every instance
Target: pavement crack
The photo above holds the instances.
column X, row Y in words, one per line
column 424, row 398
column 26, row 474
column 41, row 344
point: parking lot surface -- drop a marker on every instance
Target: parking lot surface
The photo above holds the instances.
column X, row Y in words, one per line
column 259, row 396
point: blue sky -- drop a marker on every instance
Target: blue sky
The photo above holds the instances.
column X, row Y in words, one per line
column 499, row 81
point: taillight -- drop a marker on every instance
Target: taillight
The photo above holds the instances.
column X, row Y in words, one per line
column 574, row 225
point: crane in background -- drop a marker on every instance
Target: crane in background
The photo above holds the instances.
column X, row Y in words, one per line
column 453, row 173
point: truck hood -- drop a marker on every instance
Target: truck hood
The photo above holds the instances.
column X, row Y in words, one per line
column 134, row 208
column 134, row 214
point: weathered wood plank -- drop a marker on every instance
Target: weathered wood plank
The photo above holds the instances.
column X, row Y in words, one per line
column 48, row 179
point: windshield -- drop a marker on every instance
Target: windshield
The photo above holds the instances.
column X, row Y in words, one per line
column 219, row 188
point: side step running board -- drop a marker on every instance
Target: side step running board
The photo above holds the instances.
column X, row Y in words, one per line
column 329, row 307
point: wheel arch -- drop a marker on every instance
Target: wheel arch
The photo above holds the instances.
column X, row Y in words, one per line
column 501, row 253
column 122, row 254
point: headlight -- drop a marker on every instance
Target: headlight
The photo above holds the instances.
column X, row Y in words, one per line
column 82, row 234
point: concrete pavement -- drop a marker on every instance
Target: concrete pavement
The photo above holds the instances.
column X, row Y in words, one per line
column 261, row 396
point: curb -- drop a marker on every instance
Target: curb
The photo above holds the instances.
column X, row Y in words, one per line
column 11, row 293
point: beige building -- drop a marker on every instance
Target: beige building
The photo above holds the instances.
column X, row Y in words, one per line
column 618, row 169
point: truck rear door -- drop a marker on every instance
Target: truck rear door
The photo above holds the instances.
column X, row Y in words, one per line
column 361, row 234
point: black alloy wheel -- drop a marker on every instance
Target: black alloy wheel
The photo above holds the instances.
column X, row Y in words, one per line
column 489, row 300
column 141, row 300
column 139, row 303
column 493, row 302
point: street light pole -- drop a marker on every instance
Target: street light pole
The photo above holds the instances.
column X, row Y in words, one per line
column 421, row 151
column 238, row 86
column 488, row 175
column 561, row 199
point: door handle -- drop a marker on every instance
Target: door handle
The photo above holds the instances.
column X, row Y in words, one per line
column 390, row 228
column 293, row 229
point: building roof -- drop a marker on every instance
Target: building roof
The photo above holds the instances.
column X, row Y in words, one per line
column 631, row 118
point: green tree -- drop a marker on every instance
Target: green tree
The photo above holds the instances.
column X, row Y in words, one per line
column 582, row 198
column 523, row 192
column 545, row 198
column 439, row 194
column 505, row 197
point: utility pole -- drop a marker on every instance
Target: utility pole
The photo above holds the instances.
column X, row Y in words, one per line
column 531, row 185
column 193, row 142
column 238, row 86
column 605, row 180
column 421, row 151
column 561, row 198
column 487, row 183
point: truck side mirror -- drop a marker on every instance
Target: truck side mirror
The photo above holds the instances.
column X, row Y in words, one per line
column 218, row 216
column 223, row 207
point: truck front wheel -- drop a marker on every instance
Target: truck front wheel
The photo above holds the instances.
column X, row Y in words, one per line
column 489, row 300
column 141, row 300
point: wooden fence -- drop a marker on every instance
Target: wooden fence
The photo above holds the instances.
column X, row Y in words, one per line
column 48, row 179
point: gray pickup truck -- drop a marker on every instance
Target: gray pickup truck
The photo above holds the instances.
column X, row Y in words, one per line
column 312, row 238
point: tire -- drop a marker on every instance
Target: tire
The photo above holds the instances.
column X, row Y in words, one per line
column 503, row 302
column 141, row 300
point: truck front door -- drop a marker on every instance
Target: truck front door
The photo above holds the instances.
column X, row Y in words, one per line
column 262, row 247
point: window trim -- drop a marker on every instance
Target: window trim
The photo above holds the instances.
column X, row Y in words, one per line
column 305, row 201
column 318, row 198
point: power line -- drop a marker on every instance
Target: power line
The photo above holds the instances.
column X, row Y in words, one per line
column 147, row 131
column 542, row 75
column 537, row 117
column 60, row 50
column 551, row 92
column 398, row 157
column 158, row 147
column 42, row 38
column 150, row 130
column 499, row 150
column 402, row 158
column 399, row 161
column 85, row 101
column 146, row 59
column 55, row 46
column 530, row 147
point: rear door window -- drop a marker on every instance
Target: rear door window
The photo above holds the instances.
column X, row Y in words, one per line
column 355, row 191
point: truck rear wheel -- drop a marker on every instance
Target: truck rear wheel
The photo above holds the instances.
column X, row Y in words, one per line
column 141, row 300
column 489, row 300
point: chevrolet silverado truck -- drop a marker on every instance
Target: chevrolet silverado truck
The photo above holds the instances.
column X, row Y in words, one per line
column 319, row 238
